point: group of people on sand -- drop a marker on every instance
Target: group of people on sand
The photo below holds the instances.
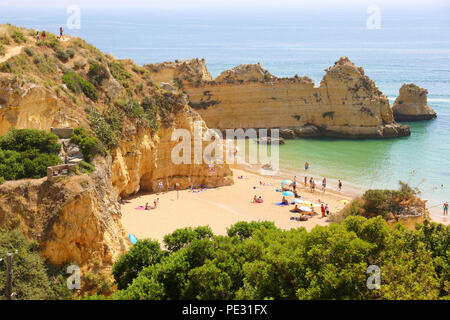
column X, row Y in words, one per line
column 257, row 199
column 155, row 205
column 43, row 35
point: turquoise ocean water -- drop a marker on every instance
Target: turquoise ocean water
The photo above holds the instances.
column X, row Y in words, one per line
column 413, row 45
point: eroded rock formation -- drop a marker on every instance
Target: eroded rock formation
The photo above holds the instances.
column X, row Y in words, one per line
column 412, row 105
column 347, row 103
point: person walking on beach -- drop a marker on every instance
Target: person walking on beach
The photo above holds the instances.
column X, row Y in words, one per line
column 327, row 209
column 306, row 181
column 306, row 165
column 340, row 185
column 324, row 184
column 446, row 208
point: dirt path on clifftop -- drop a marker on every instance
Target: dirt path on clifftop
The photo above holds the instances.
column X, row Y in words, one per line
column 11, row 52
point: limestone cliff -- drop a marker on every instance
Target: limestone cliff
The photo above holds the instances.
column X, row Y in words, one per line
column 347, row 103
column 412, row 105
column 76, row 219
column 192, row 70
column 58, row 84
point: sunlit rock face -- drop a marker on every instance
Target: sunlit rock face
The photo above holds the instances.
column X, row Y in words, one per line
column 347, row 103
column 412, row 104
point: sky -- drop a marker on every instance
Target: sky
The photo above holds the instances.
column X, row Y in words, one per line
column 220, row 4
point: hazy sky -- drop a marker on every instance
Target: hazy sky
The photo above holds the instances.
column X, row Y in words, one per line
column 217, row 3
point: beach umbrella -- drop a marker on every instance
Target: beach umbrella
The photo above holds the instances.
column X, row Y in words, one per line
column 133, row 238
column 288, row 193
column 305, row 209
column 288, row 182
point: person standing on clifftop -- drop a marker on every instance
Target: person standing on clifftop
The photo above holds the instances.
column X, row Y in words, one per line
column 60, row 32
column 446, row 208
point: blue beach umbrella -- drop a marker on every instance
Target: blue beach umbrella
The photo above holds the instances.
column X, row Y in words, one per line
column 133, row 238
column 288, row 193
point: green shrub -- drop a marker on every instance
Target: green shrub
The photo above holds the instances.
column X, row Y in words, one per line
column 89, row 145
column 133, row 109
column 33, row 279
column 30, row 139
column 79, row 65
column 17, row 64
column 97, row 73
column 18, row 36
column 2, row 49
column 77, row 84
column 183, row 237
column 29, row 52
column 26, row 153
column 143, row 254
column 44, row 63
column 119, row 72
column 107, row 127
column 62, row 55
column 85, row 167
column 327, row 263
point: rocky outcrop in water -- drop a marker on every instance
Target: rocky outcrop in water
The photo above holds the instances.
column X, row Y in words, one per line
column 347, row 104
column 412, row 105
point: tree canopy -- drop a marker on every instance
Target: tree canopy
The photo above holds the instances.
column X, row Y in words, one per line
column 259, row 261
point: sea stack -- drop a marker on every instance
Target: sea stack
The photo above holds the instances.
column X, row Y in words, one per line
column 412, row 105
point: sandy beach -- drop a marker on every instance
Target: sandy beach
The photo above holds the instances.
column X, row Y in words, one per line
column 221, row 207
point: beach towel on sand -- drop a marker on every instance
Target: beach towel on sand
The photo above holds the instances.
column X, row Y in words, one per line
column 143, row 208
column 281, row 204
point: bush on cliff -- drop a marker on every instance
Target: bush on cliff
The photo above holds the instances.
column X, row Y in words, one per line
column 97, row 72
column 77, row 84
column 385, row 203
column 33, row 279
column 89, row 145
column 107, row 126
column 326, row 263
column 26, row 153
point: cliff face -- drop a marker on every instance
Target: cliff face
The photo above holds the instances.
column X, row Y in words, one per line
column 174, row 72
column 346, row 104
column 141, row 162
column 412, row 105
column 77, row 217
column 24, row 104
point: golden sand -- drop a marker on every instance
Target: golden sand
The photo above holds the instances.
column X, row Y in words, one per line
column 222, row 207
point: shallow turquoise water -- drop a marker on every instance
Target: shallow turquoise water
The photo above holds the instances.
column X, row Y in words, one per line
column 413, row 45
